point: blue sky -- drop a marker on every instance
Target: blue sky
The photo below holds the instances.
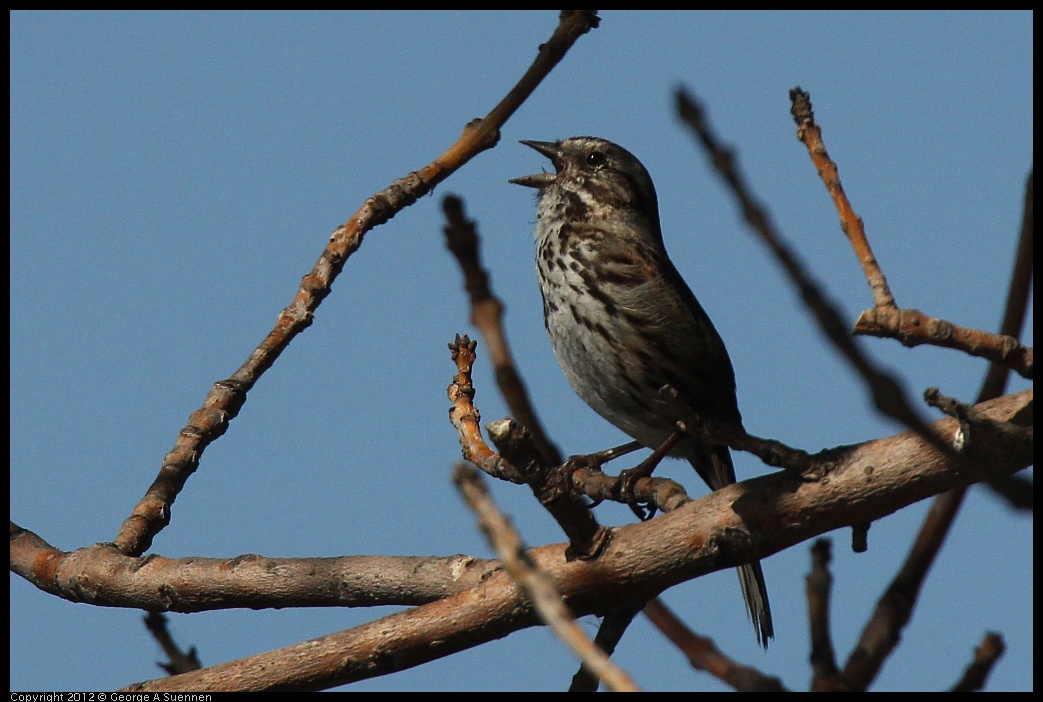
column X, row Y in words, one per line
column 173, row 175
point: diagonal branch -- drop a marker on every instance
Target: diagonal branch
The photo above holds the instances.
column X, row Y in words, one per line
column 535, row 584
column 487, row 314
column 882, row 632
column 704, row 655
column 909, row 326
column 226, row 398
column 851, row 224
column 888, row 394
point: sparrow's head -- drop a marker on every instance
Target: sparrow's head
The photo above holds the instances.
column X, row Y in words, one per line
column 595, row 174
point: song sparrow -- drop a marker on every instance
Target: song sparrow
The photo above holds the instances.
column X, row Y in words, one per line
column 622, row 320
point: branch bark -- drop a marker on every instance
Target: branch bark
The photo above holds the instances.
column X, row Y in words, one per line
column 755, row 518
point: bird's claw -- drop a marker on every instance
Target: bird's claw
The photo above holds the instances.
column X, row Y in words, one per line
column 594, row 502
column 627, row 482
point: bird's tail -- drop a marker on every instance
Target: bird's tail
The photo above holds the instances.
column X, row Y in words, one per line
column 716, row 468
column 755, row 592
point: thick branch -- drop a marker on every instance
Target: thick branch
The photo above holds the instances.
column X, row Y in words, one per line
column 103, row 576
column 754, row 518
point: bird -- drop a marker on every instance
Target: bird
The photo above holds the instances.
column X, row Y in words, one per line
column 632, row 339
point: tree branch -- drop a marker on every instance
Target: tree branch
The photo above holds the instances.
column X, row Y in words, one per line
column 487, row 315
column 704, row 655
column 226, row 397
column 101, row 575
column 522, row 462
column 909, row 326
column 536, row 585
column 888, row 395
column 752, row 519
column 985, row 657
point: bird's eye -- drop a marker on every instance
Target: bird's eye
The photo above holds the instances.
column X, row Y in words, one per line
column 595, row 159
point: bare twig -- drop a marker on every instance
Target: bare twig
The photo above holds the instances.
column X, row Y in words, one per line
column 1006, row 352
column 467, row 419
column 985, row 657
column 610, row 633
column 979, row 434
column 913, row 328
column 888, row 394
column 519, row 460
column 704, row 655
column 909, row 326
column 536, row 585
column 226, row 397
column 487, row 315
column 851, row 224
column 819, row 586
column 180, row 661
column 662, row 493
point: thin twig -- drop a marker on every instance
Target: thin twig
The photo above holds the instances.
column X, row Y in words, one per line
column 985, row 656
column 809, row 132
column 909, row 326
column 819, row 587
column 888, row 394
column 180, row 661
column 979, row 433
column 664, row 494
column 704, row 655
column 467, row 419
column 914, row 328
column 519, row 461
column 536, row 585
column 610, row 633
column 487, row 315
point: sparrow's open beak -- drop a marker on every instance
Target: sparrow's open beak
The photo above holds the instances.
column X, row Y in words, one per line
column 550, row 149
